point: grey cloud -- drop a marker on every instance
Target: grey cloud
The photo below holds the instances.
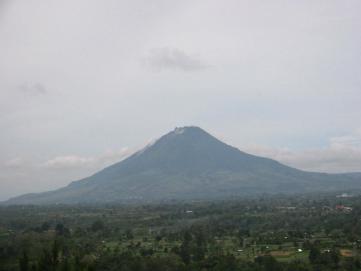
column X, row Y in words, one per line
column 20, row 175
column 3, row 5
column 343, row 154
column 96, row 162
column 14, row 162
column 173, row 59
column 349, row 141
column 68, row 161
column 35, row 89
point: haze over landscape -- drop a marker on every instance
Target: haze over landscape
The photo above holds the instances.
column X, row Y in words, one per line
column 194, row 135
column 84, row 84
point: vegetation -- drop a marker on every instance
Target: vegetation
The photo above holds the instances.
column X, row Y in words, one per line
column 268, row 233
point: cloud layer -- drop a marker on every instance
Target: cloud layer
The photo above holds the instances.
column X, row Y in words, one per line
column 343, row 154
column 32, row 89
column 160, row 59
column 96, row 162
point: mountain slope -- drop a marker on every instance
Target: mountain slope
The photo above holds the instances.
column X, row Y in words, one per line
column 189, row 163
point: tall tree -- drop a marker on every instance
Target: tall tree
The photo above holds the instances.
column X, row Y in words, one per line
column 24, row 262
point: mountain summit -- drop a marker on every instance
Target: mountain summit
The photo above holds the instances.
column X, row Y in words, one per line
column 189, row 163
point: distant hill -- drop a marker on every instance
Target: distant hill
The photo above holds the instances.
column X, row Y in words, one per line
column 188, row 163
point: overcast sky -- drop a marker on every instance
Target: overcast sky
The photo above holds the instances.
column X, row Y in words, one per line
column 84, row 83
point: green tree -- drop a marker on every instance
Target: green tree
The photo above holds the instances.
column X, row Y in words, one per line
column 200, row 247
column 129, row 234
column 97, row 226
column 24, row 262
column 55, row 254
column 268, row 263
column 185, row 248
column 314, row 255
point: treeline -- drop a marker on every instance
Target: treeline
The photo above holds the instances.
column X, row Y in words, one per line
column 192, row 254
column 223, row 235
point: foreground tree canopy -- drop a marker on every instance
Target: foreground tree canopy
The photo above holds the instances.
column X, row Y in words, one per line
column 267, row 233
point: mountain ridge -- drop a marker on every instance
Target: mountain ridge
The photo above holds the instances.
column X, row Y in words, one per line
column 189, row 163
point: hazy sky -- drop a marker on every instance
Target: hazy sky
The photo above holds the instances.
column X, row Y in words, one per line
column 84, row 83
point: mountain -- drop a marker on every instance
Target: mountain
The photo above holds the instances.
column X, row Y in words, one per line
column 188, row 163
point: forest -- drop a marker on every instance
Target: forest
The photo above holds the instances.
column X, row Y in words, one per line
column 290, row 233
